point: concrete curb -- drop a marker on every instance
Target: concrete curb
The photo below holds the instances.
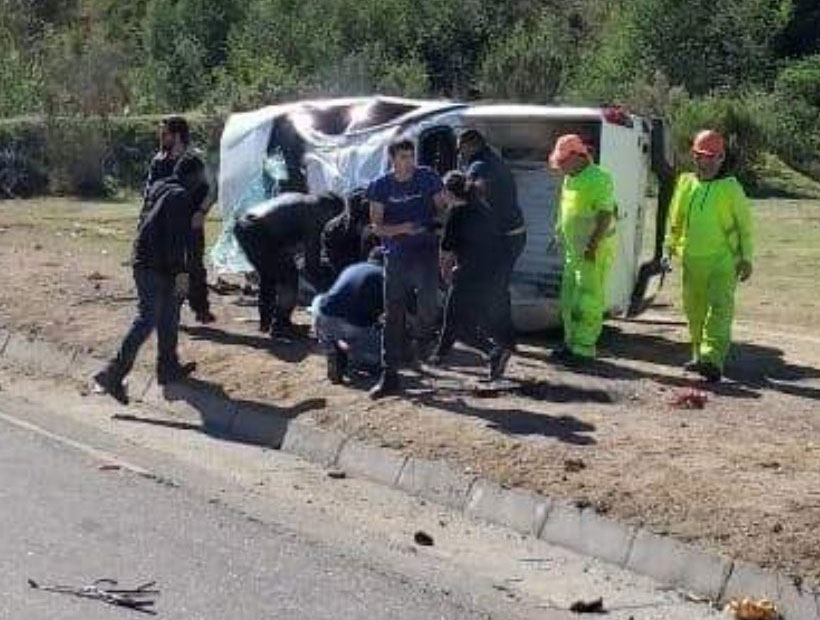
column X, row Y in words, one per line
column 679, row 565
column 666, row 560
column 588, row 533
column 5, row 335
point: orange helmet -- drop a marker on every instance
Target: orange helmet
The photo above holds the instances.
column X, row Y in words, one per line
column 566, row 146
column 708, row 143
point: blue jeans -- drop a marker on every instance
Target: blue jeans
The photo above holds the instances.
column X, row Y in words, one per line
column 363, row 342
column 409, row 275
column 157, row 308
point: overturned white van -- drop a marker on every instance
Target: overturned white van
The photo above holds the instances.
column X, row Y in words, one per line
column 341, row 145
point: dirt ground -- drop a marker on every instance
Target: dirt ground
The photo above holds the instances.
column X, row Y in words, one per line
column 741, row 476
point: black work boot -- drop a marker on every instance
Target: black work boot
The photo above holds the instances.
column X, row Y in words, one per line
column 174, row 372
column 710, row 372
column 388, row 385
column 205, row 317
column 105, row 382
column 499, row 358
column 336, row 365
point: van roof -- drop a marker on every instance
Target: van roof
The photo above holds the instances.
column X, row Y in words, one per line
column 525, row 111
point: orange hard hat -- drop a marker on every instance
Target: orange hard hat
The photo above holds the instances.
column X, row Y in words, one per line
column 709, row 143
column 566, row 146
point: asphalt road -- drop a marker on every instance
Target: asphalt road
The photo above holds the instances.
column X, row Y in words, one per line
column 235, row 531
column 63, row 521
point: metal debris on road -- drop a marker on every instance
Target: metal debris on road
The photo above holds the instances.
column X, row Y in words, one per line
column 749, row 609
column 588, row 607
column 423, row 539
column 105, row 590
column 336, row 474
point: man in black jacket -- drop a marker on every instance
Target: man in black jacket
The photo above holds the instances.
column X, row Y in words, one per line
column 161, row 260
column 490, row 175
column 270, row 235
column 346, row 238
column 175, row 141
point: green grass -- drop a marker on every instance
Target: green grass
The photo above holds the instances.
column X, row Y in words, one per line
column 783, row 291
column 784, row 288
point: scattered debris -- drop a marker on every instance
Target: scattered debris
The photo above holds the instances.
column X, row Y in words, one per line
column 588, row 607
column 771, row 465
column 105, row 590
column 749, row 609
column 689, row 399
column 573, row 466
column 423, row 539
column 223, row 287
column 336, row 474
column 96, row 276
column 110, row 467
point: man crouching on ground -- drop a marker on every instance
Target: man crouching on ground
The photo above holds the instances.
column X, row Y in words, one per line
column 347, row 318
column 160, row 263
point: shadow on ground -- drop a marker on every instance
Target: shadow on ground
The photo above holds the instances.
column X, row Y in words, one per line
column 750, row 368
column 223, row 417
column 291, row 350
column 516, row 421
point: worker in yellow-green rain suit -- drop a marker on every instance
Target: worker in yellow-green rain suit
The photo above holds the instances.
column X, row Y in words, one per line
column 586, row 224
column 710, row 230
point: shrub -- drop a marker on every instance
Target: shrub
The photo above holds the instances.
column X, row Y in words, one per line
column 88, row 156
column 795, row 114
column 735, row 119
column 530, row 64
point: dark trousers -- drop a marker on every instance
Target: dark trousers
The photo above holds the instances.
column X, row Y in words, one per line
column 511, row 248
column 408, row 276
column 198, row 291
column 278, row 275
column 157, row 308
column 470, row 316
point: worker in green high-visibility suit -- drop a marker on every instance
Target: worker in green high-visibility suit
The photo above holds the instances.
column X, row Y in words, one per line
column 586, row 225
column 710, row 229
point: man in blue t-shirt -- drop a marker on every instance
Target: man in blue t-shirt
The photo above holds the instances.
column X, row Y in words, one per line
column 404, row 204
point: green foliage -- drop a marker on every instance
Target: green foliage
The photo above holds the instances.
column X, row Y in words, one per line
column 531, row 63
column 794, row 115
column 691, row 61
column 88, row 156
column 83, row 73
column 21, row 79
column 735, row 118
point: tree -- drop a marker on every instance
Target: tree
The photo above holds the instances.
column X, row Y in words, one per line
column 531, row 63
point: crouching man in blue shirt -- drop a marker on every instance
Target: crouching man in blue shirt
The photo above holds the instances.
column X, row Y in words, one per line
column 346, row 319
column 403, row 208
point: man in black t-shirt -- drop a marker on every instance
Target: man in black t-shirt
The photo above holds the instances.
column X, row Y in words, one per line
column 492, row 178
column 470, row 255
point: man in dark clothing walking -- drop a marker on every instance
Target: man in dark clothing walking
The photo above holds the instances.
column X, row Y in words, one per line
column 175, row 142
column 270, row 235
column 470, row 251
column 494, row 181
column 160, row 260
